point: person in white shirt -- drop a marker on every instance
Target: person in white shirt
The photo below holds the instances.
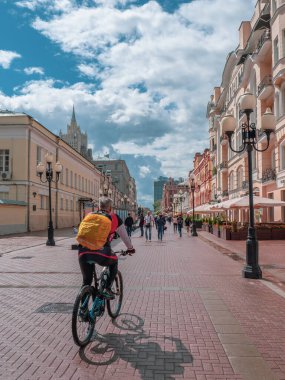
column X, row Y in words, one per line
column 148, row 223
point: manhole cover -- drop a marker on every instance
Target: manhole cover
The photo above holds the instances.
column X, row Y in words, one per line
column 62, row 308
column 22, row 257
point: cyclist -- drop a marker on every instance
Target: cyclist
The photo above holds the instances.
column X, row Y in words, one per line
column 104, row 256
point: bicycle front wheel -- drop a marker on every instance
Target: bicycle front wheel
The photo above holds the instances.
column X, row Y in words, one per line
column 82, row 322
column 114, row 306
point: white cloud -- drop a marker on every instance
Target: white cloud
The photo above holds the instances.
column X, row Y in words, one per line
column 144, row 171
column 153, row 73
column 6, row 58
column 34, row 70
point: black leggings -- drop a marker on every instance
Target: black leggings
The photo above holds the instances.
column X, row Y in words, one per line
column 87, row 262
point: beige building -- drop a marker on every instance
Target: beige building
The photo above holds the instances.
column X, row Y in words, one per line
column 258, row 63
column 24, row 198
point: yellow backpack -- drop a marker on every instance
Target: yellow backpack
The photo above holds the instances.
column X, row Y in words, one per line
column 94, row 231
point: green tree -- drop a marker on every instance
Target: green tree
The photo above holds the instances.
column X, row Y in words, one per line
column 157, row 206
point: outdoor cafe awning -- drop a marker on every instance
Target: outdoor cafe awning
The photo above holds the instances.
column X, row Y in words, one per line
column 243, row 202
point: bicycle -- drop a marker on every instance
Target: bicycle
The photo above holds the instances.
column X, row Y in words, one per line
column 90, row 304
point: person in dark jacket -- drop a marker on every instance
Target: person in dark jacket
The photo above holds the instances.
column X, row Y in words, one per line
column 180, row 225
column 129, row 221
column 160, row 221
column 141, row 224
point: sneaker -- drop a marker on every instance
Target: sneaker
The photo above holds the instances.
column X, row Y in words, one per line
column 108, row 294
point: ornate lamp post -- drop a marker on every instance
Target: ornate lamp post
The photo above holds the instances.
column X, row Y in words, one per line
column 49, row 174
column 249, row 142
column 193, row 186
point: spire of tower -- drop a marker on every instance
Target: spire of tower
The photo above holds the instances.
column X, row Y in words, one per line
column 73, row 118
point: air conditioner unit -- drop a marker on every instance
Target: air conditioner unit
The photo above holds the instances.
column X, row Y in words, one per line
column 5, row 175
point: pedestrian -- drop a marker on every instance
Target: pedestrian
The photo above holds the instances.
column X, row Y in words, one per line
column 175, row 224
column 160, row 226
column 148, row 223
column 129, row 221
column 141, row 224
column 180, row 224
column 187, row 224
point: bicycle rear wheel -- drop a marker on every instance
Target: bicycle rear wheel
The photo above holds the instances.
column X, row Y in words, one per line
column 82, row 323
column 114, row 306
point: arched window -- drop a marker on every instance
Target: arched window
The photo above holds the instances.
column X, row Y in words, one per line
column 273, row 163
column 239, row 177
column 231, row 181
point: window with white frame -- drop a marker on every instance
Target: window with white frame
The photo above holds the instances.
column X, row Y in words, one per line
column 239, row 177
column 4, row 160
column 39, row 154
column 274, row 6
column 276, row 50
column 282, row 155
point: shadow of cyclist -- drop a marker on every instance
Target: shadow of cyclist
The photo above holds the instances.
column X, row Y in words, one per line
column 151, row 356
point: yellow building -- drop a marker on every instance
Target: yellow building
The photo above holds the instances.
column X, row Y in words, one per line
column 24, row 205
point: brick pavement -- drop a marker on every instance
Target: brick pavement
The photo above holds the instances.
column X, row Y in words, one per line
column 187, row 314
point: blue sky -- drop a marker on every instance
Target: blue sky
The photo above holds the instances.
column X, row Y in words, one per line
column 140, row 73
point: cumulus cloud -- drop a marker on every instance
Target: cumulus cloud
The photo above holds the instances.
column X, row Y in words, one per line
column 34, row 70
column 144, row 170
column 145, row 75
column 6, row 58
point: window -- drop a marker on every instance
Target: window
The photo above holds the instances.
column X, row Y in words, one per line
column 79, row 182
column 4, row 160
column 71, row 178
column 274, row 6
column 66, row 177
column 282, row 155
column 71, row 205
column 273, row 164
column 75, row 180
column 61, row 176
column 276, row 51
column 61, row 203
column 239, row 178
column 66, row 204
column 231, row 181
column 39, row 154
column 42, row 201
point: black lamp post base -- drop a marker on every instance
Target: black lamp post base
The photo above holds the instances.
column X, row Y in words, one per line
column 252, row 272
column 50, row 242
column 252, row 269
column 194, row 232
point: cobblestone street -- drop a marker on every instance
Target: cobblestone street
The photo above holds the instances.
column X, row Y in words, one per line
column 187, row 314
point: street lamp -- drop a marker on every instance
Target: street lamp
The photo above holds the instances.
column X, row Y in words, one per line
column 49, row 173
column 249, row 142
column 193, row 189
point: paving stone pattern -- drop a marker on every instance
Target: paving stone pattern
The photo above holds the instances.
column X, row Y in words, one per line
column 187, row 314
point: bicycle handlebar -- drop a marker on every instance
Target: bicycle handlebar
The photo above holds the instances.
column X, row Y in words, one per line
column 123, row 253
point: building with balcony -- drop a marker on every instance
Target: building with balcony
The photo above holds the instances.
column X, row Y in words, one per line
column 258, row 63
column 24, row 198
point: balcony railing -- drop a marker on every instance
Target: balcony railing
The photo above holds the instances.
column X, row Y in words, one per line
column 266, row 81
column 268, row 175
